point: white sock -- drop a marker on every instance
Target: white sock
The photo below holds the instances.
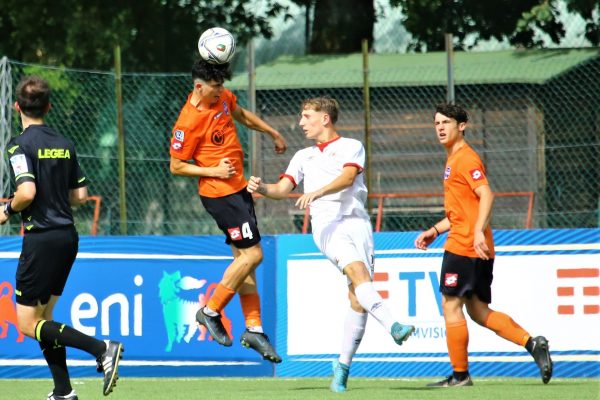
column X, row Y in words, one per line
column 354, row 329
column 255, row 329
column 371, row 301
column 210, row 312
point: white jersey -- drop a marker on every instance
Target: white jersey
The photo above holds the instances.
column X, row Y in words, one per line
column 318, row 166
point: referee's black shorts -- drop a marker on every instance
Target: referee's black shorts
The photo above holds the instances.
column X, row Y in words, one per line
column 45, row 263
column 235, row 216
column 464, row 276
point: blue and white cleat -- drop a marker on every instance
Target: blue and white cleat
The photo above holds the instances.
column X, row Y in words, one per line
column 401, row 333
column 340, row 377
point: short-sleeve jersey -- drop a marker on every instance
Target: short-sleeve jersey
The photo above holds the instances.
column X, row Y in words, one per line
column 464, row 173
column 207, row 136
column 318, row 166
column 42, row 156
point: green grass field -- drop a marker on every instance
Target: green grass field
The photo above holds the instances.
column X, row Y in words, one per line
column 308, row 388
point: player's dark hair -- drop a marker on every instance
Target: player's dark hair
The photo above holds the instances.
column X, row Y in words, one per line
column 206, row 71
column 33, row 96
column 452, row 111
column 325, row 104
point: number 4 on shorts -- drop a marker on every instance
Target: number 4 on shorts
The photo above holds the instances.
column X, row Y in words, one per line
column 246, row 231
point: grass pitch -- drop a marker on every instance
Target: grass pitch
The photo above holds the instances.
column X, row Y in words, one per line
column 308, row 388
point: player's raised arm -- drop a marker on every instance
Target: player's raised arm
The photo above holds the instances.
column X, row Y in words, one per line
column 254, row 122
column 277, row 191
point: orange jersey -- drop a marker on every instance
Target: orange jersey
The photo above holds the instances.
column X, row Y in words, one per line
column 207, row 136
column 464, row 173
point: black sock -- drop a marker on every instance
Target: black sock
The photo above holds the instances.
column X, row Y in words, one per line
column 56, row 357
column 61, row 334
column 529, row 345
column 460, row 376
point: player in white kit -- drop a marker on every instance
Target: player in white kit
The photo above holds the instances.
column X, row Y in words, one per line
column 334, row 190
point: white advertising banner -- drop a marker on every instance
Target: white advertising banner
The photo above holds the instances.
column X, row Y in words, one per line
column 525, row 287
column 547, row 281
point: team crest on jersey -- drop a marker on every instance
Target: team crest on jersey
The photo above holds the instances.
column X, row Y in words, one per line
column 447, row 172
column 451, row 280
column 476, row 174
column 225, row 108
column 235, row 233
column 178, row 137
column 217, row 137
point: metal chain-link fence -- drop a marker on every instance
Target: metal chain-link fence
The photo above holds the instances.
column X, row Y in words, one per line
column 539, row 140
column 537, row 136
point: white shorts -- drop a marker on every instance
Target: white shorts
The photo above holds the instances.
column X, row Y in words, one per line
column 345, row 241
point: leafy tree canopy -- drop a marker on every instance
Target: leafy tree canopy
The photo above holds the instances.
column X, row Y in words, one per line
column 161, row 35
column 154, row 35
column 515, row 20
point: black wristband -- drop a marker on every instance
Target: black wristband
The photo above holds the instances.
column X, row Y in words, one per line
column 8, row 210
column 438, row 232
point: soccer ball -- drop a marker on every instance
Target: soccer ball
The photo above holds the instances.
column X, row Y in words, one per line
column 216, row 45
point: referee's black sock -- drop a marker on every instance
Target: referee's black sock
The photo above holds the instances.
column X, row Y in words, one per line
column 56, row 357
column 53, row 332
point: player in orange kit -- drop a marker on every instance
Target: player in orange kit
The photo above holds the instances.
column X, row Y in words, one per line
column 468, row 261
column 205, row 132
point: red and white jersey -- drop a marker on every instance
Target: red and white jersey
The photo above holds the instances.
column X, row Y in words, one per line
column 318, row 166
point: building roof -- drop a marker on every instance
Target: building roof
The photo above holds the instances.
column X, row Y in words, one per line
column 416, row 69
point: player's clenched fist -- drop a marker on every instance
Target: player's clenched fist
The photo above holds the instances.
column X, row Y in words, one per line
column 253, row 184
column 225, row 169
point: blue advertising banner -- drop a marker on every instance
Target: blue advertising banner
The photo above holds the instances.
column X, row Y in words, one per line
column 548, row 281
column 144, row 292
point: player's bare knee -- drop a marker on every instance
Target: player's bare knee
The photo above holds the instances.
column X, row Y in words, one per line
column 478, row 314
column 27, row 325
column 357, row 273
column 477, row 310
column 355, row 305
column 253, row 255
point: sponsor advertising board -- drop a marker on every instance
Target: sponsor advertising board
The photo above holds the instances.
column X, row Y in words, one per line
column 144, row 292
column 546, row 280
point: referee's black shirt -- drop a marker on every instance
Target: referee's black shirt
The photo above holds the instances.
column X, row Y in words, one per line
column 43, row 156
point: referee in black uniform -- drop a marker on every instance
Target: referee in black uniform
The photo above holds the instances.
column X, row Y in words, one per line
column 49, row 181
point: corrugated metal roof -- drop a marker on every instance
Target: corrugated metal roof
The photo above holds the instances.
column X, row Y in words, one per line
column 422, row 69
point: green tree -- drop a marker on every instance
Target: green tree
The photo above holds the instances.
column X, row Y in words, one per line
column 515, row 20
column 338, row 27
column 590, row 12
column 154, row 35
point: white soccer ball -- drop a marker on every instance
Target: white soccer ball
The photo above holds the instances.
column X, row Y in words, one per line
column 216, row 45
